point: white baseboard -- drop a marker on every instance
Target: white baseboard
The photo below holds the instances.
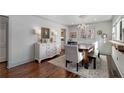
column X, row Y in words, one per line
column 14, row 64
column 2, row 59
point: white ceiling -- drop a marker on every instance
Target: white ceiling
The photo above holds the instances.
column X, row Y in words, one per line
column 77, row 19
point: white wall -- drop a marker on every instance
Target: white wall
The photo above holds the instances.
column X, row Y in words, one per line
column 106, row 27
column 22, row 38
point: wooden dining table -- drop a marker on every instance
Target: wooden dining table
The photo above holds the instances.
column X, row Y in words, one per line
column 84, row 47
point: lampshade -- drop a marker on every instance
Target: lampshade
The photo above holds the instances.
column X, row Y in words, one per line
column 37, row 31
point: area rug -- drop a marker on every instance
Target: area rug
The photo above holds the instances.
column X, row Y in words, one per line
column 101, row 70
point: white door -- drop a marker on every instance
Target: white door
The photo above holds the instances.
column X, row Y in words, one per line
column 3, row 42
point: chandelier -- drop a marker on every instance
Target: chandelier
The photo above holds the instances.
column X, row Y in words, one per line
column 85, row 27
column 81, row 26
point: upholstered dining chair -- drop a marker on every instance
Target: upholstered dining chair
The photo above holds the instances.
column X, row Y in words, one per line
column 73, row 55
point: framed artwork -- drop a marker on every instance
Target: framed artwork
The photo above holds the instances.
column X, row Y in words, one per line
column 99, row 32
column 45, row 33
column 73, row 34
column 83, row 34
column 62, row 32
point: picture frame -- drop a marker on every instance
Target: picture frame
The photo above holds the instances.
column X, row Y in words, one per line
column 99, row 32
column 45, row 33
column 73, row 34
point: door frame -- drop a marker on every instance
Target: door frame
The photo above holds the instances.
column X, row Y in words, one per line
column 7, row 38
column 64, row 34
column 63, row 29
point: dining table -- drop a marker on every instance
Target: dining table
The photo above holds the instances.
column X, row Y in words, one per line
column 85, row 47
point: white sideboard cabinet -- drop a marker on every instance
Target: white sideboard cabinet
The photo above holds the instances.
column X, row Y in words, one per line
column 46, row 50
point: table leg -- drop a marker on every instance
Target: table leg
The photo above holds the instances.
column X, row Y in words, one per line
column 86, row 59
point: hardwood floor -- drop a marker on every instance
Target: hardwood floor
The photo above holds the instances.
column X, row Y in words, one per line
column 36, row 70
column 113, row 71
column 47, row 70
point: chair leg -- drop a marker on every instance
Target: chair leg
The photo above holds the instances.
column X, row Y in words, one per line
column 77, row 67
column 98, row 55
column 66, row 63
column 82, row 63
column 86, row 65
column 94, row 65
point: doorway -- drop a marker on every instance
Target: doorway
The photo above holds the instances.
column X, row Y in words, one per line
column 3, row 39
column 63, row 39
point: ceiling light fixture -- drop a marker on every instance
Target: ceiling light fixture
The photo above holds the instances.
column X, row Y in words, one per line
column 94, row 19
column 82, row 16
column 81, row 26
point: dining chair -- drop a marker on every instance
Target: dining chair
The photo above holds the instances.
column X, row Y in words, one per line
column 73, row 55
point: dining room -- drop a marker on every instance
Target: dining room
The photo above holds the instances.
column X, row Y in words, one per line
column 90, row 38
column 87, row 47
column 62, row 46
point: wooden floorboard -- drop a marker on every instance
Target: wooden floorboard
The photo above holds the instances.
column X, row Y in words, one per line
column 47, row 70
column 112, row 68
column 36, row 70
